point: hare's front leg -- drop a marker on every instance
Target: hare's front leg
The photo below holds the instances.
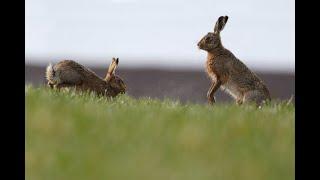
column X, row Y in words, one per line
column 213, row 88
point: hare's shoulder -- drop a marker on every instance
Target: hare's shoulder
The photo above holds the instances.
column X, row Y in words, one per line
column 216, row 67
column 238, row 65
column 220, row 61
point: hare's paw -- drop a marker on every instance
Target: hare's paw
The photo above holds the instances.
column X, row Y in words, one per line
column 211, row 100
column 51, row 85
column 210, row 97
column 239, row 101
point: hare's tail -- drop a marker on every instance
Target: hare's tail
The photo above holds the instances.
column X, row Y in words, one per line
column 51, row 74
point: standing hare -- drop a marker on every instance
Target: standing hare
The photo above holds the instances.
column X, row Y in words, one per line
column 68, row 73
column 227, row 71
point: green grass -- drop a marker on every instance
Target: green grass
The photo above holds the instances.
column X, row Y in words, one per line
column 70, row 136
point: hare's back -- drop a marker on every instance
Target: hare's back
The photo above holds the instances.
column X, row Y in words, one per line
column 70, row 71
column 241, row 75
column 65, row 65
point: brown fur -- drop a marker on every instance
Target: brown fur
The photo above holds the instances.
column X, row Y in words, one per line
column 227, row 71
column 68, row 73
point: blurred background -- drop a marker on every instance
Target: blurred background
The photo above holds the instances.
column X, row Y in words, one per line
column 156, row 42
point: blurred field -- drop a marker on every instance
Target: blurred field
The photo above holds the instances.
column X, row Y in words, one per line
column 177, row 84
column 71, row 136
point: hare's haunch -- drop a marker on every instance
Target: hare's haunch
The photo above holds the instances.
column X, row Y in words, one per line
column 68, row 73
column 228, row 72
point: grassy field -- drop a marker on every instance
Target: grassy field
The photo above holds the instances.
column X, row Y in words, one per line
column 70, row 136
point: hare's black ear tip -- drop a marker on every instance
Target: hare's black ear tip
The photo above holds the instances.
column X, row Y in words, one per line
column 115, row 59
column 226, row 17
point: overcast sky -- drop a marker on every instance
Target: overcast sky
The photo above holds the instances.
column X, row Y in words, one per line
column 159, row 33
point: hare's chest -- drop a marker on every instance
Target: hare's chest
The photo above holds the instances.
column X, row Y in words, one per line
column 212, row 69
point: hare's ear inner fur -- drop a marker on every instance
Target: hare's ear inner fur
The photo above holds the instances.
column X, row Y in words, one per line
column 221, row 22
column 111, row 69
column 115, row 65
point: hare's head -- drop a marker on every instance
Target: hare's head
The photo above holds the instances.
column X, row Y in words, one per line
column 212, row 39
column 115, row 83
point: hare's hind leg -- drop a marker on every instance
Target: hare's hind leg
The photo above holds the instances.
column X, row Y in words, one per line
column 63, row 85
column 254, row 97
column 50, row 84
column 239, row 100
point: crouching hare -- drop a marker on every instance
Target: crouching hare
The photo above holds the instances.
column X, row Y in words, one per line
column 68, row 73
column 228, row 72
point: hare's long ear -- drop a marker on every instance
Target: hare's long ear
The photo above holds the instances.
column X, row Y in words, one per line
column 112, row 69
column 221, row 22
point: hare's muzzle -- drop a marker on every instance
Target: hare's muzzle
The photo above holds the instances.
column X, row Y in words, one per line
column 200, row 44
